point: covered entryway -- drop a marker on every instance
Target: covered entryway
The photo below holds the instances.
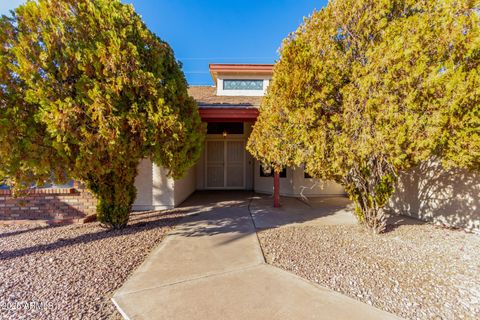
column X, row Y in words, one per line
column 225, row 164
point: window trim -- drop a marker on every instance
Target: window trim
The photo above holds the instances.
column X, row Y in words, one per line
column 244, row 93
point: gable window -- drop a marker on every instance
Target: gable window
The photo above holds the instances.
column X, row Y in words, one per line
column 229, row 84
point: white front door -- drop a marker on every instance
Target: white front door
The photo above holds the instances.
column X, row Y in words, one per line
column 225, row 164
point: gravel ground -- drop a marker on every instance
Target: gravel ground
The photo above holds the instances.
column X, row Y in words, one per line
column 71, row 272
column 414, row 271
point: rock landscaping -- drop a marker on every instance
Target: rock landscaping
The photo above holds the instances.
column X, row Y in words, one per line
column 413, row 271
column 71, row 272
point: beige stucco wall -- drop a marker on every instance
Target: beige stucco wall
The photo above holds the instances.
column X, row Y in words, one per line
column 143, row 183
column 430, row 193
column 184, row 187
column 295, row 184
column 200, row 171
column 162, row 189
column 313, row 187
column 157, row 191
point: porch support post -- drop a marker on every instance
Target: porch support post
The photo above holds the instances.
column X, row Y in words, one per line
column 276, row 189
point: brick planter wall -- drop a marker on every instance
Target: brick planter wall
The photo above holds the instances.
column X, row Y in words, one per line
column 52, row 206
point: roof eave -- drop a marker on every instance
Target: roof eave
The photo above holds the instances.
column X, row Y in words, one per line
column 227, row 68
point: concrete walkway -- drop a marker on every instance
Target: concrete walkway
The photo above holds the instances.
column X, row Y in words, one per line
column 317, row 211
column 212, row 267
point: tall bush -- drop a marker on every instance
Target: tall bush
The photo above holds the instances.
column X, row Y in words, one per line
column 86, row 92
column 366, row 89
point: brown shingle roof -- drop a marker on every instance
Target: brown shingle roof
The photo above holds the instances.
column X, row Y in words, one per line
column 206, row 96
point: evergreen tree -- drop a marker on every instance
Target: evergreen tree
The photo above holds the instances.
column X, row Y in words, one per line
column 366, row 89
column 86, row 92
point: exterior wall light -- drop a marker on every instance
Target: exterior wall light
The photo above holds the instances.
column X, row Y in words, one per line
column 224, row 134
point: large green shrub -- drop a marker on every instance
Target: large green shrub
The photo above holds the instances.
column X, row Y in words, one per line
column 366, row 89
column 86, row 92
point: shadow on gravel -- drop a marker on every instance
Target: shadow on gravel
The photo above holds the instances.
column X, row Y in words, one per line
column 197, row 207
column 209, row 213
column 17, row 232
column 135, row 226
column 395, row 221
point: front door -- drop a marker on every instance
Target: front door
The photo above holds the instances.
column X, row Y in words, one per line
column 225, row 164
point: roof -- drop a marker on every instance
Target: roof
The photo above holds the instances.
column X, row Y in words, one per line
column 206, row 96
column 235, row 69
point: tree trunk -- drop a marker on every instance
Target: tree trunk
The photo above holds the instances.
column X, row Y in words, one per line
column 370, row 187
column 115, row 197
column 276, row 189
column 375, row 219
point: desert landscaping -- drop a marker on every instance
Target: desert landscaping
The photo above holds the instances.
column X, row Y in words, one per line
column 73, row 270
column 414, row 271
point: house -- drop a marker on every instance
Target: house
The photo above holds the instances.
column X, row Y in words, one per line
column 230, row 108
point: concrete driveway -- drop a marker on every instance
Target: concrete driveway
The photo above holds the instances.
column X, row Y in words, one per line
column 212, row 267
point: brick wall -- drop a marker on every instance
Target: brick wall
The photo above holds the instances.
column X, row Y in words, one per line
column 60, row 205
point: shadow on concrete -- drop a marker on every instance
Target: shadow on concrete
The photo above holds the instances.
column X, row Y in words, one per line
column 325, row 210
column 217, row 212
column 237, row 223
column 239, row 213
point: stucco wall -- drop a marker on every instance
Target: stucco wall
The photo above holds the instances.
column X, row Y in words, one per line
column 249, row 166
column 265, row 184
column 143, row 183
column 162, row 189
column 154, row 189
column 295, row 184
column 184, row 187
column 314, row 187
column 430, row 193
column 157, row 191
column 200, row 171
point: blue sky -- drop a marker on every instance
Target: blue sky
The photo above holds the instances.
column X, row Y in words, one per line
column 216, row 31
